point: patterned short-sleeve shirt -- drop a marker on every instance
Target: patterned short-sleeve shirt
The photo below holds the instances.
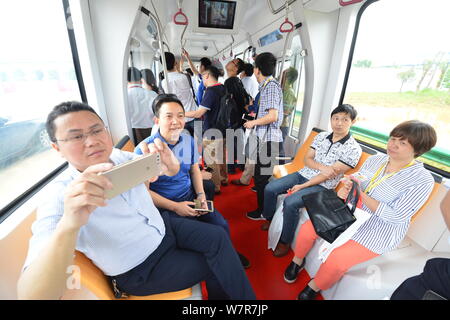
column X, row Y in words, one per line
column 346, row 150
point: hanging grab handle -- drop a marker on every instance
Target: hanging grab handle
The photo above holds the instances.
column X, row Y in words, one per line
column 286, row 24
column 347, row 3
column 183, row 16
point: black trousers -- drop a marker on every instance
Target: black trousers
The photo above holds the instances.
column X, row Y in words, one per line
column 265, row 161
column 435, row 277
column 190, row 252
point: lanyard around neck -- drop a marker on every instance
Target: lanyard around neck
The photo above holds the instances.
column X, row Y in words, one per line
column 374, row 183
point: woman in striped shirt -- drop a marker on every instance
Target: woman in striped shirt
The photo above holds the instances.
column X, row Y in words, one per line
column 395, row 186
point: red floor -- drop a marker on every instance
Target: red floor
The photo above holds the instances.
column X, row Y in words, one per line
column 266, row 271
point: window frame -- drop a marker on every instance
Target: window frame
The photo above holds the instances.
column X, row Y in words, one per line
column 6, row 211
column 346, row 78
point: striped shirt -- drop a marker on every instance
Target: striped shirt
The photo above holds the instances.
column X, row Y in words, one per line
column 400, row 197
column 271, row 97
column 117, row 237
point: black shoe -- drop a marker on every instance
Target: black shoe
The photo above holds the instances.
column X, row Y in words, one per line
column 291, row 273
column 307, row 294
column 244, row 261
column 255, row 215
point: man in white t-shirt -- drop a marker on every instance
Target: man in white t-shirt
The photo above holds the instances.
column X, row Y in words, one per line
column 178, row 84
column 139, row 105
column 249, row 80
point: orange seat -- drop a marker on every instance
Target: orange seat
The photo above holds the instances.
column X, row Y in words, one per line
column 93, row 279
column 125, row 144
column 298, row 162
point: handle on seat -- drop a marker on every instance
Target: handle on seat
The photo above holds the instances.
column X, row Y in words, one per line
column 180, row 13
column 347, row 3
column 286, row 22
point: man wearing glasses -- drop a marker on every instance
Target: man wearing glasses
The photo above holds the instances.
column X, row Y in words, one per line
column 142, row 251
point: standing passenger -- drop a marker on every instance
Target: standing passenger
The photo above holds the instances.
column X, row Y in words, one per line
column 140, row 106
column 213, row 140
column 178, row 84
column 267, row 125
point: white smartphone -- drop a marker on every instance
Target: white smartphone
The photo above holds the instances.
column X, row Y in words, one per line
column 198, row 206
column 129, row 174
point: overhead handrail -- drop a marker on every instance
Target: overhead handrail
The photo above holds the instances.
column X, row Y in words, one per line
column 180, row 13
column 286, row 21
column 160, row 42
column 276, row 11
column 290, row 24
column 347, row 3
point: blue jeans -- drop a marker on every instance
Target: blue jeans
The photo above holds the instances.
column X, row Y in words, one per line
column 190, row 252
column 211, row 217
column 291, row 205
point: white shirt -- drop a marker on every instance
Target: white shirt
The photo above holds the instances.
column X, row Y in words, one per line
column 117, row 237
column 140, row 106
column 179, row 85
column 251, row 85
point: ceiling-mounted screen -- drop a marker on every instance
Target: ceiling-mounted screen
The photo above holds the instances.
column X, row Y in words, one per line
column 216, row 14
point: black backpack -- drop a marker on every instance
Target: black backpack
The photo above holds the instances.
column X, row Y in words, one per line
column 227, row 107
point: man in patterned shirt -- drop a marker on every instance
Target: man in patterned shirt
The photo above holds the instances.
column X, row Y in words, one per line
column 267, row 124
column 330, row 155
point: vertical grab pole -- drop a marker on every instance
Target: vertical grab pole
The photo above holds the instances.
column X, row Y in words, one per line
column 161, row 48
column 286, row 41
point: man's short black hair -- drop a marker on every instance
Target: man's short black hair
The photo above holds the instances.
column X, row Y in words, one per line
column 62, row 109
column 170, row 60
column 214, row 72
column 248, row 69
column 347, row 109
column 133, row 74
column 164, row 98
column 205, row 62
column 266, row 63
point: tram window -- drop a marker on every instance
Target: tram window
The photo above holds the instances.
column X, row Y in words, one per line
column 402, row 73
column 37, row 73
column 293, row 82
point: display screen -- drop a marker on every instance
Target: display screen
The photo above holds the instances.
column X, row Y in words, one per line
column 270, row 38
column 216, row 14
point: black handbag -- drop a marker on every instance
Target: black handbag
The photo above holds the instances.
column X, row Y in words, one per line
column 329, row 214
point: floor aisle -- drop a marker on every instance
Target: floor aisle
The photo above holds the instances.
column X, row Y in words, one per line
column 266, row 271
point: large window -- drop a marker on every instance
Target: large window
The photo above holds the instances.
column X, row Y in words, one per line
column 400, row 71
column 36, row 73
column 293, row 82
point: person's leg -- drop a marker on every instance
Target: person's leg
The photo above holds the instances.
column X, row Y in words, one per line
column 435, row 277
column 208, row 187
column 263, row 169
column 215, row 218
column 305, row 240
column 247, row 175
column 291, row 210
column 210, row 157
column 162, row 271
column 221, row 145
column 215, row 245
column 275, row 188
column 339, row 261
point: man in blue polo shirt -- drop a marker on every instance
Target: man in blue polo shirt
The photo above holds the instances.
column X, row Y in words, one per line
column 176, row 193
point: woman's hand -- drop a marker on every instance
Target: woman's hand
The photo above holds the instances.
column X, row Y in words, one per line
column 295, row 188
column 347, row 184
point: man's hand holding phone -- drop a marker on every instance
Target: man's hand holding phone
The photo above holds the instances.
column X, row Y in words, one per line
column 83, row 195
column 169, row 163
